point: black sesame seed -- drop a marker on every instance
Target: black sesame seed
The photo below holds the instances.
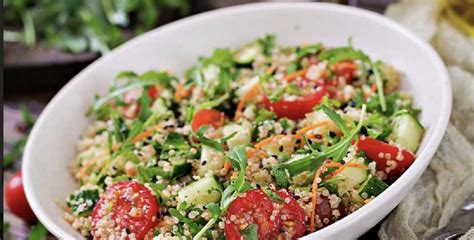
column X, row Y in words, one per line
column 298, row 141
column 258, row 185
column 260, row 165
column 274, row 156
column 332, row 134
column 296, row 197
column 204, row 163
column 281, row 149
column 114, row 168
column 352, row 104
column 127, row 230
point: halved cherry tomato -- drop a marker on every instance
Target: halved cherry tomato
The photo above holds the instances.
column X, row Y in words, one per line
column 130, row 205
column 252, row 207
column 296, row 109
column 294, row 224
column 390, row 159
column 325, row 213
column 274, row 219
column 16, row 199
column 207, row 117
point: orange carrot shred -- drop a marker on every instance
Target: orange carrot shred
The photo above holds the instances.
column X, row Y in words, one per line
column 178, row 93
column 314, row 192
column 311, row 127
column 292, row 76
column 147, row 133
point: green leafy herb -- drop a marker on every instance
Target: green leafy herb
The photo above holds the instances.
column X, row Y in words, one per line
column 250, row 232
column 335, row 152
column 379, row 83
column 267, row 43
column 308, row 50
column 336, row 55
column 207, row 141
column 38, row 232
column 83, row 201
column 193, row 226
column 82, row 26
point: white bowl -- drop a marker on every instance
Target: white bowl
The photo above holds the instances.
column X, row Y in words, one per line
column 176, row 46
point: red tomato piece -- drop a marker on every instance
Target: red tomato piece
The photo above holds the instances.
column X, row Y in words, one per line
column 16, row 200
column 153, row 91
column 294, row 224
column 296, row 109
column 275, row 220
column 207, row 117
column 390, row 159
column 130, row 205
column 325, row 213
column 252, row 207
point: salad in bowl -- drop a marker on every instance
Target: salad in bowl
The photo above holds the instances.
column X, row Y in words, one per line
column 259, row 142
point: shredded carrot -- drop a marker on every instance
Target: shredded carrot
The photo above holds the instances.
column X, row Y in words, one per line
column 373, row 88
column 311, row 127
column 165, row 223
column 147, row 133
column 247, row 96
column 314, row 192
column 292, row 76
column 227, row 165
column 91, row 162
column 234, row 175
column 178, row 93
column 267, row 140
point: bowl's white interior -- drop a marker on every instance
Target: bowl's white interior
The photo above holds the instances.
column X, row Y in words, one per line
column 177, row 46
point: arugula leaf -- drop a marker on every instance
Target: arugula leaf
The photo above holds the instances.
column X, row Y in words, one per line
column 225, row 78
column 83, row 201
column 207, row 141
column 267, row 43
column 379, row 83
column 146, row 174
column 250, row 232
column 336, row 55
column 102, row 101
column 263, row 114
column 308, row 50
column 15, row 153
column 272, row 195
column 335, row 152
column 38, row 232
column 335, row 118
column 193, row 226
column 144, row 101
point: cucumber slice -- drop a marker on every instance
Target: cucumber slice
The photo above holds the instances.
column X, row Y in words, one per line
column 349, row 179
column 211, row 161
column 159, row 106
column 202, row 191
column 373, row 186
column 242, row 136
column 247, row 54
column 407, row 132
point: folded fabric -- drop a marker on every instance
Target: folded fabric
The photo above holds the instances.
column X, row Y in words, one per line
column 448, row 181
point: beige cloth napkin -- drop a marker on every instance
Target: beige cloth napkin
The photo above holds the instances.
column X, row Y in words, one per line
column 448, row 181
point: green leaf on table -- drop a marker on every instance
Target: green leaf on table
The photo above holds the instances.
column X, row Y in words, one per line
column 38, row 232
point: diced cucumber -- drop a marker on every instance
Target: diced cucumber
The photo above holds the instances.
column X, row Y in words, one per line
column 159, row 106
column 247, row 54
column 373, row 186
column 202, row 191
column 349, row 179
column 211, row 161
column 243, row 134
column 407, row 132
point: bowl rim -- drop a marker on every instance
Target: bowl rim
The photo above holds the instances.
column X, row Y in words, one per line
column 417, row 168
